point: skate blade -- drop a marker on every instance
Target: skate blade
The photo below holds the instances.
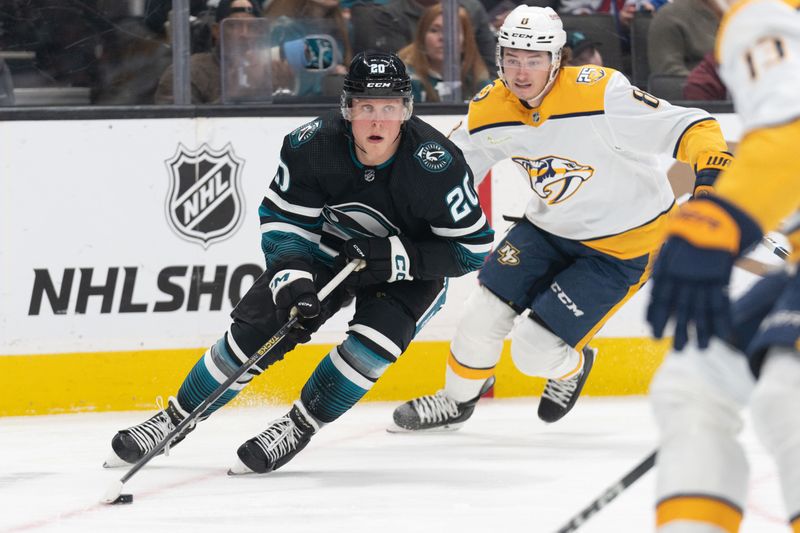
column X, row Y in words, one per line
column 394, row 428
column 239, row 469
column 114, row 461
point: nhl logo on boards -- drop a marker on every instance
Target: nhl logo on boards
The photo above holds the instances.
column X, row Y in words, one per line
column 433, row 156
column 204, row 202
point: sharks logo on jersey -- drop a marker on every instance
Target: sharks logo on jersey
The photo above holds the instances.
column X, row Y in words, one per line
column 304, row 133
column 554, row 178
column 353, row 220
column 204, row 203
column 433, row 156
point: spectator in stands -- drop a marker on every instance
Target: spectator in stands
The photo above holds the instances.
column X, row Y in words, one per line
column 582, row 50
column 680, row 34
column 392, row 26
column 424, row 58
column 204, row 67
column 704, row 82
column 295, row 19
column 130, row 63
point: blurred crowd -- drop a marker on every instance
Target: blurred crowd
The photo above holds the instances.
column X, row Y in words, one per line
column 119, row 52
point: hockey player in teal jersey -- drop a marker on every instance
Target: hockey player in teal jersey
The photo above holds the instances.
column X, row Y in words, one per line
column 369, row 181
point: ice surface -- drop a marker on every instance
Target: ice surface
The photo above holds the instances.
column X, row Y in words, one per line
column 504, row 471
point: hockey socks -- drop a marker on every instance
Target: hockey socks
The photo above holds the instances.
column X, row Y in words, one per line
column 216, row 365
column 341, row 379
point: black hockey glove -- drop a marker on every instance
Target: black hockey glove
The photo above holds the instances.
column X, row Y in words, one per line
column 387, row 259
column 293, row 287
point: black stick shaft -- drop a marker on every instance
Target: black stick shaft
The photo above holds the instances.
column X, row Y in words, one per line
column 219, row 391
column 610, row 494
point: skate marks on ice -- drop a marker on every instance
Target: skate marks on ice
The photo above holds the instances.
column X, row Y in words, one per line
column 503, row 471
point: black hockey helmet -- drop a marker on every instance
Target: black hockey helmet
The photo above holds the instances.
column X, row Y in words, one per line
column 376, row 75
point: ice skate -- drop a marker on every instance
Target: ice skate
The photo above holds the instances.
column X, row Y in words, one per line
column 436, row 412
column 559, row 396
column 276, row 445
column 130, row 445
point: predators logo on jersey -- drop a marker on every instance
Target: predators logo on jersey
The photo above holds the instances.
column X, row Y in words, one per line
column 554, row 178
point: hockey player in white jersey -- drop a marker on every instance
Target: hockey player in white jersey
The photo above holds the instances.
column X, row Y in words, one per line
column 700, row 390
column 587, row 142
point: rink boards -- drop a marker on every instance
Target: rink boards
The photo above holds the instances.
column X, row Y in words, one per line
column 127, row 242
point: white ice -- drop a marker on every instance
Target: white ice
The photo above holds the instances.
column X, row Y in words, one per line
column 503, row 471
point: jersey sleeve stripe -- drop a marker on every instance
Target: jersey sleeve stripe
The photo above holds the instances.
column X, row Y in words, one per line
column 477, row 248
column 267, row 214
column 579, row 114
column 459, row 232
column 290, row 228
column 290, row 207
column 496, row 125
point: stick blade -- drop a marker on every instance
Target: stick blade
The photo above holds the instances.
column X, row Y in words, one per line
column 114, row 495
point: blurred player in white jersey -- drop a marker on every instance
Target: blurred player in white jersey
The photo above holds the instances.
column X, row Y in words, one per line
column 701, row 388
column 587, row 142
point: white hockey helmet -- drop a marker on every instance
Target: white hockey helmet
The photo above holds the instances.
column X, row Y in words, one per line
column 532, row 28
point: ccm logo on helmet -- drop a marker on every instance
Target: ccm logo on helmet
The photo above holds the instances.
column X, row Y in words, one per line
column 379, row 84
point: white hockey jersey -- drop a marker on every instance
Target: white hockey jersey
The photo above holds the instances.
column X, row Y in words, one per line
column 589, row 153
column 758, row 49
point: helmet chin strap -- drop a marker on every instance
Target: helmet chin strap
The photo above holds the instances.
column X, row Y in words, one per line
column 537, row 100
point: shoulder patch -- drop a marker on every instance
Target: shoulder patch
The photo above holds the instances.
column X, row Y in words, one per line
column 433, row 156
column 304, row 133
column 483, row 93
column 590, row 75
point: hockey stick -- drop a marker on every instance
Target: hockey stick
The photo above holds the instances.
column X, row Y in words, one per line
column 610, row 494
column 114, row 493
column 648, row 462
column 776, row 248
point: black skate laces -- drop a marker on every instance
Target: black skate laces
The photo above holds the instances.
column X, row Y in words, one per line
column 560, row 391
column 435, row 408
column 279, row 438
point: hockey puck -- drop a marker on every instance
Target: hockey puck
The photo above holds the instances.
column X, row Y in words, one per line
column 124, row 498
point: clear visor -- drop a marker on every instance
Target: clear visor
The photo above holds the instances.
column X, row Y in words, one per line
column 378, row 109
column 539, row 62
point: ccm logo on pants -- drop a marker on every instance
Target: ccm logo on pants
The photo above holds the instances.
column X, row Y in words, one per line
column 566, row 300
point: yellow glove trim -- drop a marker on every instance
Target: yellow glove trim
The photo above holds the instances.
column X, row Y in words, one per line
column 705, row 224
